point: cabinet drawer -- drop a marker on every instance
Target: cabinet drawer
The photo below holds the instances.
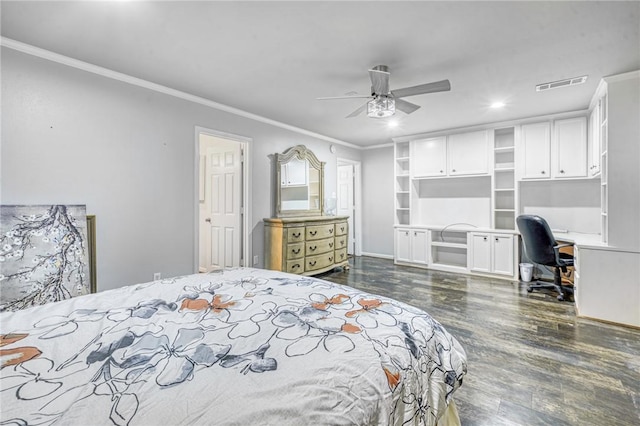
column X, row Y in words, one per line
column 341, row 242
column 295, row 235
column 312, row 263
column 319, row 232
column 295, row 266
column 319, row 246
column 342, row 228
column 295, row 250
column 341, row 255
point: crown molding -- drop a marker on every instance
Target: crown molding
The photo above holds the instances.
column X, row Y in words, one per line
column 125, row 78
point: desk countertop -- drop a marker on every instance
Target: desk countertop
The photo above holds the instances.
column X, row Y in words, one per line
column 580, row 239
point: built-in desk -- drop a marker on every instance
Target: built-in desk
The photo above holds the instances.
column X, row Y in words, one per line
column 606, row 280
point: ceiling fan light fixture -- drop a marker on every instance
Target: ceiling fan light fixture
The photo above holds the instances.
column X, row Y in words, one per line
column 381, row 107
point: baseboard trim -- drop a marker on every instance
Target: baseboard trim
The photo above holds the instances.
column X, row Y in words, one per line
column 379, row 255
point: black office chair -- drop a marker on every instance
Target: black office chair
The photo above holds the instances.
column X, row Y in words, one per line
column 542, row 248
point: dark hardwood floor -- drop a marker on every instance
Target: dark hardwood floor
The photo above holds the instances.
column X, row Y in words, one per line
column 530, row 360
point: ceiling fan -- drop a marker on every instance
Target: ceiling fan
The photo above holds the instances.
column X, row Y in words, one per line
column 383, row 102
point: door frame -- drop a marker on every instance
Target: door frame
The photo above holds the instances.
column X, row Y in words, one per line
column 245, row 145
column 357, row 202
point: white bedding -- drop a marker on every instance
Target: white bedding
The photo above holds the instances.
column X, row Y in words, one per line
column 241, row 346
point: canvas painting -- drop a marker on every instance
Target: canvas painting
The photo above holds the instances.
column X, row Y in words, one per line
column 43, row 254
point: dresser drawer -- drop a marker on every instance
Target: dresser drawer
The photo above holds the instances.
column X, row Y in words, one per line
column 341, row 255
column 342, row 228
column 341, row 242
column 318, row 232
column 295, row 250
column 319, row 246
column 295, row 235
column 317, row 262
column 295, row 266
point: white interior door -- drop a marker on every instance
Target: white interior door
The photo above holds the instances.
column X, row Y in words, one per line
column 220, row 214
column 346, row 200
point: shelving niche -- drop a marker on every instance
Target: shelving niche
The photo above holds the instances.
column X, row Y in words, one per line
column 504, row 190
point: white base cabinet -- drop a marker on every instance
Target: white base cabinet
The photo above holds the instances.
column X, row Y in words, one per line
column 491, row 253
column 460, row 250
column 411, row 246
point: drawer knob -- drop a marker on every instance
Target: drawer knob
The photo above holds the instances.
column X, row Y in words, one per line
column 296, row 235
column 296, row 266
column 313, row 248
column 312, row 263
column 341, row 242
column 331, row 231
column 296, row 251
column 341, row 255
column 331, row 259
column 330, row 244
column 342, row 228
column 313, row 233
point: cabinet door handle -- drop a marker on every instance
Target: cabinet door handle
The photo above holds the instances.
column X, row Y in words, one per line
column 454, row 170
column 313, row 233
column 497, row 240
column 561, row 171
column 543, row 172
column 485, row 238
column 441, row 171
column 415, row 234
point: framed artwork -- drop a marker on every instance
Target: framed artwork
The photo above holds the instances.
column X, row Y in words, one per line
column 44, row 254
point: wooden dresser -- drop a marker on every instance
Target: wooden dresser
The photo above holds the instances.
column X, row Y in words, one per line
column 306, row 245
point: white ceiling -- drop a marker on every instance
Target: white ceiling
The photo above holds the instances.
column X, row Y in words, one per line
column 274, row 58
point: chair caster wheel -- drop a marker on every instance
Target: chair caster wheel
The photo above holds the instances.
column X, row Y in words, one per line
column 529, row 289
column 561, row 298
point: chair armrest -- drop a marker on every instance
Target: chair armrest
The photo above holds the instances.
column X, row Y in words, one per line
column 556, row 250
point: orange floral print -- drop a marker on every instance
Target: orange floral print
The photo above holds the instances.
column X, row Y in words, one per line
column 216, row 304
column 16, row 355
column 392, row 378
column 367, row 305
column 351, row 328
column 335, row 300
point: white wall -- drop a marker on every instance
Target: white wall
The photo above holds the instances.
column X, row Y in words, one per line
column 378, row 203
column 623, row 153
column 73, row 137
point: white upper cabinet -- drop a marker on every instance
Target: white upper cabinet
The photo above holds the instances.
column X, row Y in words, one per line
column 563, row 156
column 429, row 157
column 570, row 143
column 455, row 155
column 468, row 153
column 536, row 149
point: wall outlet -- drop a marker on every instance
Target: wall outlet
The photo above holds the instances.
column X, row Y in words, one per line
column 256, row 259
column 157, row 276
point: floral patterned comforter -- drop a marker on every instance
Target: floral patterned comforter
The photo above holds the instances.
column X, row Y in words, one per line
column 240, row 346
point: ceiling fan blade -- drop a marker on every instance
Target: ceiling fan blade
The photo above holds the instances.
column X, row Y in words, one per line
column 358, row 111
column 379, row 81
column 406, row 107
column 342, row 97
column 437, row 86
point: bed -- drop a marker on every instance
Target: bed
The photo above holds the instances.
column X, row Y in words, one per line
column 239, row 346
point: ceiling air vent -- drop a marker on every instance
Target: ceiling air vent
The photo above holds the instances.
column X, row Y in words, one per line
column 561, row 83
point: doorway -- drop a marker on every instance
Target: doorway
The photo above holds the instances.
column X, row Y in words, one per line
column 222, row 210
column 349, row 200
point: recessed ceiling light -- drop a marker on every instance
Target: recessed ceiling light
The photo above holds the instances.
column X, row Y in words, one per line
column 497, row 105
column 393, row 123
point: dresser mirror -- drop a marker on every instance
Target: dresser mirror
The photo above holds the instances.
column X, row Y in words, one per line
column 300, row 183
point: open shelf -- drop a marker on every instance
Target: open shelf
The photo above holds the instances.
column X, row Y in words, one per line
column 451, row 245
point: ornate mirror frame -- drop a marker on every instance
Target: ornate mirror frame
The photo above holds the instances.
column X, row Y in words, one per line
column 314, row 184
